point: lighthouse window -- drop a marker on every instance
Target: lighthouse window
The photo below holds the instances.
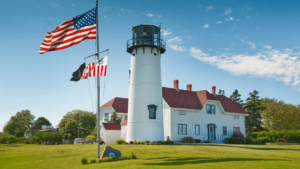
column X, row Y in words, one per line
column 152, row 111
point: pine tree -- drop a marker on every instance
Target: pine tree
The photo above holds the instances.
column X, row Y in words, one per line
column 221, row 92
column 236, row 97
column 254, row 107
column 114, row 118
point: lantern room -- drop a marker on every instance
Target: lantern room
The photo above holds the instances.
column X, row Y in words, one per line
column 146, row 36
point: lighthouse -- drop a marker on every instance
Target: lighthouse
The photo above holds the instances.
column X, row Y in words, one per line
column 145, row 106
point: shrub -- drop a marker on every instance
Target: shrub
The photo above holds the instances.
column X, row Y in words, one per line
column 84, row 160
column 101, row 142
column 240, row 137
column 100, row 160
column 249, row 140
column 291, row 136
column 151, row 143
column 168, row 142
column 262, row 140
column 91, row 137
column 93, row 161
column 188, row 139
column 141, row 142
column 133, row 156
column 43, row 143
column 119, row 141
column 147, row 141
column 107, row 159
column 207, row 141
column 231, row 140
column 197, row 140
column 160, row 142
column 131, row 142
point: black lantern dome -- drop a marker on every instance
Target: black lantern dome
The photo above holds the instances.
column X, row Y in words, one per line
column 146, row 36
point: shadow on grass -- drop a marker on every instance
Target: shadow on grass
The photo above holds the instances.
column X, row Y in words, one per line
column 253, row 148
column 194, row 160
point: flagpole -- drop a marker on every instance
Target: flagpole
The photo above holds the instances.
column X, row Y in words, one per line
column 98, row 89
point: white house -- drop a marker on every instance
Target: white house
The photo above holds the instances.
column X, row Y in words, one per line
column 199, row 114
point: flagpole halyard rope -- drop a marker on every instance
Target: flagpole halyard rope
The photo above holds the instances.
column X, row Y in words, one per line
column 90, row 91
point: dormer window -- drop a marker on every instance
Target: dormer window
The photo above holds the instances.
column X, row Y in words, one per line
column 210, row 109
column 152, row 111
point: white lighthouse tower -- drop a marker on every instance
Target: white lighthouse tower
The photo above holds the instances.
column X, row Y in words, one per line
column 145, row 109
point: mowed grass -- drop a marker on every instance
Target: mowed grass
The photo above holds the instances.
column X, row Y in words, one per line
column 23, row 156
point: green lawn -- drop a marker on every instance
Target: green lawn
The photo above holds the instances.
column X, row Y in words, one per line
column 201, row 156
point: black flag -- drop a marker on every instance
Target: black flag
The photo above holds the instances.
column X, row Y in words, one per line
column 78, row 73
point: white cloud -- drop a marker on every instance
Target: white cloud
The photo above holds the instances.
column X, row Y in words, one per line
column 252, row 45
column 174, row 44
column 206, row 25
column 238, row 20
column 218, row 22
column 200, row 5
column 229, row 19
column 166, row 32
column 210, row 7
column 282, row 66
column 149, row 14
column 268, row 47
column 159, row 16
column 228, row 11
column 226, row 49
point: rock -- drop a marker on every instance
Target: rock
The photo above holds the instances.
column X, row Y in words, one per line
column 110, row 152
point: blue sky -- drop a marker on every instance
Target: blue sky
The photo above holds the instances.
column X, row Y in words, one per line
column 244, row 45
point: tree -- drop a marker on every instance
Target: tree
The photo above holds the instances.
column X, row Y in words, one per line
column 20, row 123
column 221, row 92
column 114, row 118
column 84, row 120
column 280, row 116
column 42, row 121
column 253, row 107
column 236, row 97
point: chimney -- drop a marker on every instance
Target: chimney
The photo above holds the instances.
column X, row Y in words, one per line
column 189, row 87
column 176, row 84
column 213, row 90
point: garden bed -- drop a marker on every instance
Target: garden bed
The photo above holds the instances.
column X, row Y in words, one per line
column 280, row 143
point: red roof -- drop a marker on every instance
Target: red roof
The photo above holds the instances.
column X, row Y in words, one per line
column 112, row 126
column 196, row 100
column 181, row 98
column 101, row 139
column 125, row 122
column 120, row 105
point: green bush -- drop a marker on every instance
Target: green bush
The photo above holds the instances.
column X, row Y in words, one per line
column 262, row 140
column 43, row 143
column 290, row 136
column 84, row 160
column 93, row 161
column 151, row 143
column 133, row 156
column 91, row 137
column 160, row 142
column 231, row 140
column 131, row 142
column 207, row 141
column 197, row 140
column 119, row 141
column 249, row 140
column 168, row 142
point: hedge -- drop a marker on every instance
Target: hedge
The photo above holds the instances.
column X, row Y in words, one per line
column 231, row 140
column 290, row 136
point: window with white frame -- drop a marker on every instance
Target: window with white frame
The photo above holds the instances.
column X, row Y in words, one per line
column 225, row 130
column 210, row 109
column 182, row 129
column 181, row 112
column 197, row 129
column 125, row 117
column 235, row 116
column 236, row 128
column 106, row 117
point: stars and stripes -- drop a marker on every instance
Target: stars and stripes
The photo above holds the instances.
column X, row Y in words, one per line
column 97, row 68
column 71, row 32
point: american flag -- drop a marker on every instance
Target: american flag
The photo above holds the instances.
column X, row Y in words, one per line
column 71, row 32
column 97, row 68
